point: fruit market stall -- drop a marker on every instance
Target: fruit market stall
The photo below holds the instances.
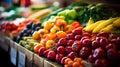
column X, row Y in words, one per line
column 80, row 35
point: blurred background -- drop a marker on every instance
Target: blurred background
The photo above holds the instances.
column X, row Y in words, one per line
column 63, row 3
column 12, row 9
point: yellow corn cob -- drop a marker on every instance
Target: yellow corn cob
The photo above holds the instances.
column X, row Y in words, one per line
column 40, row 13
column 91, row 21
column 92, row 26
column 116, row 23
column 108, row 28
column 103, row 24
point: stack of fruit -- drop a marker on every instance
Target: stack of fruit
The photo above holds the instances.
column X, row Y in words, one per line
column 12, row 28
column 59, row 40
column 22, row 26
column 52, row 32
column 28, row 31
column 28, row 43
column 24, row 37
column 7, row 27
column 102, row 50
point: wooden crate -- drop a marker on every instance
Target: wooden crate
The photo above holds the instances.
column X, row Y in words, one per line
column 3, row 42
column 38, row 61
column 48, row 63
column 13, row 53
column 28, row 55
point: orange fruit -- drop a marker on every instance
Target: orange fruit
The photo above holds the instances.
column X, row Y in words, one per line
column 37, row 47
column 66, row 66
column 76, row 64
column 70, row 63
column 77, row 60
column 67, row 60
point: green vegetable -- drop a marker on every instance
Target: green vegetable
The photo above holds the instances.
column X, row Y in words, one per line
column 71, row 14
column 97, row 11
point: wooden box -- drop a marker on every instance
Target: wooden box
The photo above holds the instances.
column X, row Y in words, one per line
column 48, row 63
column 38, row 61
column 3, row 42
column 27, row 55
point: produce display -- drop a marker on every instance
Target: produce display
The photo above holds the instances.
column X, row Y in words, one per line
column 71, row 35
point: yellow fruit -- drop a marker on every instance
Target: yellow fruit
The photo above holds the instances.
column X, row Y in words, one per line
column 103, row 24
column 116, row 23
column 49, row 44
column 48, row 25
column 108, row 28
column 92, row 26
column 35, row 35
column 91, row 21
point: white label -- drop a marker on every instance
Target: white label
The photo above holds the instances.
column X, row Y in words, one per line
column 13, row 55
column 21, row 59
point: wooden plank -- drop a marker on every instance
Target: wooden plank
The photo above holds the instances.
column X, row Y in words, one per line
column 28, row 54
column 48, row 63
column 3, row 42
column 38, row 61
column 4, row 46
column 87, row 64
column 13, row 53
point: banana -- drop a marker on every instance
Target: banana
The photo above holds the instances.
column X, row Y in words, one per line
column 108, row 28
column 116, row 23
column 103, row 24
column 91, row 21
column 92, row 26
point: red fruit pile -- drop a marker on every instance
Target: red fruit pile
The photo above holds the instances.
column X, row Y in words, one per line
column 7, row 27
column 102, row 49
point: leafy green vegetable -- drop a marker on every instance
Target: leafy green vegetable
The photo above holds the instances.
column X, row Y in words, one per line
column 97, row 11
column 81, row 11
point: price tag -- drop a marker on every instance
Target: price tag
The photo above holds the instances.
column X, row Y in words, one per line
column 13, row 55
column 21, row 59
